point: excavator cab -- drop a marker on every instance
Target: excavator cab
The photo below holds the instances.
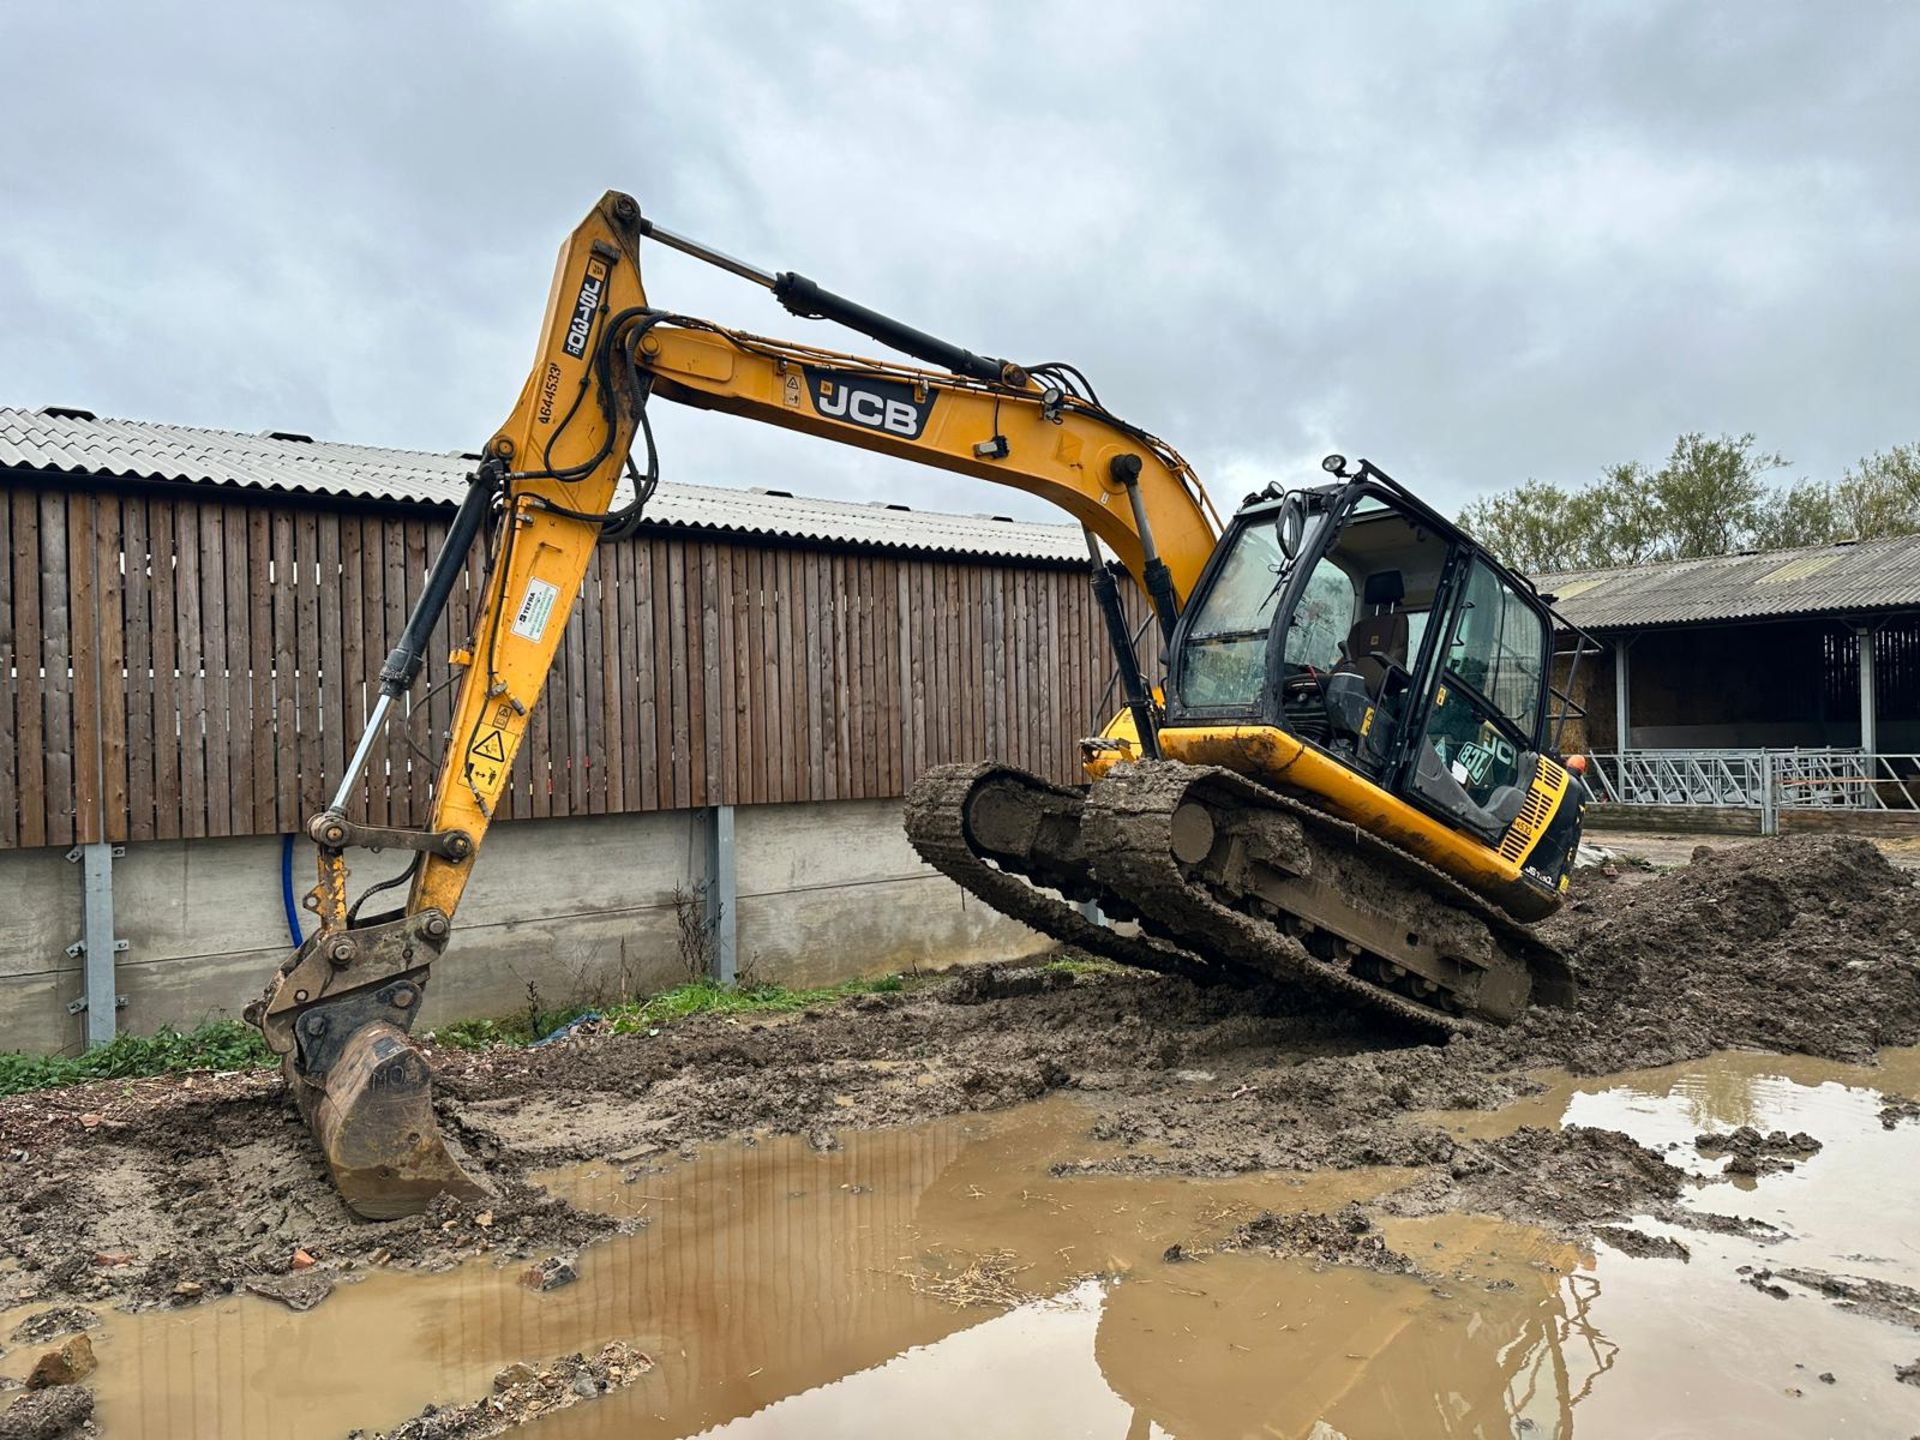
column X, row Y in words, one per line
column 1361, row 623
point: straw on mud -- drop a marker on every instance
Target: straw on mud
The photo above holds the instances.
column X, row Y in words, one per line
column 986, row 1280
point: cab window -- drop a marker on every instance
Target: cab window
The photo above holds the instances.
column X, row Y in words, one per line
column 1499, row 648
column 1318, row 627
column 1225, row 660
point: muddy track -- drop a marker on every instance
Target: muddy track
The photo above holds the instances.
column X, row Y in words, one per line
column 1127, row 825
column 936, row 825
column 1183, row 930
column 1129, row 815
column 1128, row 860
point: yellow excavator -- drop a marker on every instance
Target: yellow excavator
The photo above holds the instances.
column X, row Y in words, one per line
column 1343, row 779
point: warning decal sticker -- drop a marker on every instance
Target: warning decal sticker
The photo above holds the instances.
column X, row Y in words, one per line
column 487, row 760
column 530, row 620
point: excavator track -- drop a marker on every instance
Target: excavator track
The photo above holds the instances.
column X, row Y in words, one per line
column 936, row 821
column 1001, row 832
column 1145, row 840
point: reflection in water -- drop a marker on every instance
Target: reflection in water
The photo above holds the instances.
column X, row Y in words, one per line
column 1701, row 1352
column 1257, row 1348
column 1675, row 1102
column 799, row 1315
column 778, row 1289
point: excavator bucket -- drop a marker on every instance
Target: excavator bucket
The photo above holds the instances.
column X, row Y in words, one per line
column 338, row 1012
column 375, row 1124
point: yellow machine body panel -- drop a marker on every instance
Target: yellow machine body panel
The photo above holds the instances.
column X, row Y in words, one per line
column 1287, row 763
column 1061, row 456
column 1060, row 450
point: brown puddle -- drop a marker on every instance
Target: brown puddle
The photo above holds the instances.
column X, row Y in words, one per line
column 785, row 1292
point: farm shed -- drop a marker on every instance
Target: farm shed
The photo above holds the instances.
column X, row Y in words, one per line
column 1784, row 681
column 189, row 620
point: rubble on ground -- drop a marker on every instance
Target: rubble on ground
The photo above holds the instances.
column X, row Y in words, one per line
column 1640, row 1245
column 48, row 1324
column 523, row 1393
column 1347, row 1237
column 62, row 1414
column 1568, row 1179
column 67, row 1364
column 1748, row 1152
column 1876, row 1299
column 1896, row 1108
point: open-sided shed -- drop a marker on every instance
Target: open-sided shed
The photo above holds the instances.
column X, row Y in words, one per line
column 1779, row 678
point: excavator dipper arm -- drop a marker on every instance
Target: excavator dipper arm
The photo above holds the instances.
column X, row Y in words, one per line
column 339, row 1010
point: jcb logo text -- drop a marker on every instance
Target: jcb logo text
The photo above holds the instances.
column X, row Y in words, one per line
column 592, row 287
column 885, row 405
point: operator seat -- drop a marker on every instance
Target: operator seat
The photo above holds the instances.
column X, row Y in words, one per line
column 1381, row 634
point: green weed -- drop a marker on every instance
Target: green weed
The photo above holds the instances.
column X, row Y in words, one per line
column 704, row 997
column 217, row 1045
column 230, row 1045
column 523, row 1027
column 1074, row 963
column 700, row 997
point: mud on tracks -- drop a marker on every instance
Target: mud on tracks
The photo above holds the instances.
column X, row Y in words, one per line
column 1802, row 945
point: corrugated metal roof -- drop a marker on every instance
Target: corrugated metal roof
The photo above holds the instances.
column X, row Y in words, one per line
column 71, row 442
column 1854, row 577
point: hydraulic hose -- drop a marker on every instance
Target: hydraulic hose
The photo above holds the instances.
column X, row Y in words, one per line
column 1133, row 685
column 286, row 890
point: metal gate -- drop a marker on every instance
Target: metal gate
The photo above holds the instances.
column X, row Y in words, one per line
column 1765, row 780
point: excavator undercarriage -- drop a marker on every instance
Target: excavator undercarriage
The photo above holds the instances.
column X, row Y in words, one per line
column 1226, row 880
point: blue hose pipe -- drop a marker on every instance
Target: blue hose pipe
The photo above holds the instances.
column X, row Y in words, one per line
column 286, row 889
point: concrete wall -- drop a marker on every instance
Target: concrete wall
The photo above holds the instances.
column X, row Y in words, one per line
column 580, row 908
column 1671, row 819
column 833, row 891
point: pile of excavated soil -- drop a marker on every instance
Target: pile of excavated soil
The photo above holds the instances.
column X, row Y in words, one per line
column 1577, row 1176
column 161, row 1191
column 1804, row 945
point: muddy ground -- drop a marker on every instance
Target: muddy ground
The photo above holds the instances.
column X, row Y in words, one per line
column 168, row 1191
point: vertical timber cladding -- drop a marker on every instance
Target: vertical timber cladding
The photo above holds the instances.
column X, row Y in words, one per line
column 182, row 662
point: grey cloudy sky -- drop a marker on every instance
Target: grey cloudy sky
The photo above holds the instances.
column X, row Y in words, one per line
column 1473, row 242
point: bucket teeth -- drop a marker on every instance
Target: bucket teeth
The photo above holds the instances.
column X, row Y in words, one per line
column 373, row 1117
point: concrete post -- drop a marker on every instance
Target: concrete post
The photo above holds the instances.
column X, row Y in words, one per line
column 97, row 944
column 722, row 891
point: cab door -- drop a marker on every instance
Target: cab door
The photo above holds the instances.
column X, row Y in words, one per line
column 1477, row 750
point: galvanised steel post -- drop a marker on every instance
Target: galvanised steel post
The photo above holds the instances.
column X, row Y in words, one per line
column 722, row 894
